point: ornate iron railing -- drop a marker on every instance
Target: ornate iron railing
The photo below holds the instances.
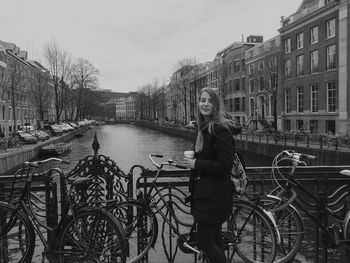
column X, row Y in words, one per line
column 324, row 182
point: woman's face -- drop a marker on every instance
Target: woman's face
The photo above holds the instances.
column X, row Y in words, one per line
column 205, row 104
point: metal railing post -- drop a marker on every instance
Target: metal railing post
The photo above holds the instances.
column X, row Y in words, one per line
column 51, row 215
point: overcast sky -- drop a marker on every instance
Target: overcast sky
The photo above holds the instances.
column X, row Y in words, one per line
column 135, row 42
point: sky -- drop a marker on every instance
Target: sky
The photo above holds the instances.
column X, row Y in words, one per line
column 136, row 42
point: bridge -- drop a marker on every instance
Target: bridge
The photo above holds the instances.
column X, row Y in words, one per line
column 324, row 181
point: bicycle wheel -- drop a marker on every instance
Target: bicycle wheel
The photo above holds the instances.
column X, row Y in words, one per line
column 140, row 225
column 290, row 226
column 17, row 236
column 250, row 234
column 92, row 235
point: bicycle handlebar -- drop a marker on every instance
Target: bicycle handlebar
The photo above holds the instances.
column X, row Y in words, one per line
column 168, row 162
column 297, row 157
column 38, row 163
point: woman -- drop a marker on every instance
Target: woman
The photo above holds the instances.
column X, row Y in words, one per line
column 211, row 167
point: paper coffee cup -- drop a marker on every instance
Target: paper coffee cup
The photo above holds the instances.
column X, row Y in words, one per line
column 189, row 154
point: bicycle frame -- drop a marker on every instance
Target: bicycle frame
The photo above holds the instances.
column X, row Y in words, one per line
column 150, row 202
column 24, row 203
column 291, row 185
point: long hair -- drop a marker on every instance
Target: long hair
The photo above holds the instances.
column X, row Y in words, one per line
column 216, row 116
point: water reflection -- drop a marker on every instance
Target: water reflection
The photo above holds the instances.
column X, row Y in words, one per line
column 129, row 145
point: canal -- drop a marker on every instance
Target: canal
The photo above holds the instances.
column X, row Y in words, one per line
column 130, row 144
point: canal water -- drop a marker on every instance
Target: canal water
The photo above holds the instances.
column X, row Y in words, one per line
column 129, row 144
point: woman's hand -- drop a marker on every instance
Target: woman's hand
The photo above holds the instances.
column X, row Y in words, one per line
column 189, row 163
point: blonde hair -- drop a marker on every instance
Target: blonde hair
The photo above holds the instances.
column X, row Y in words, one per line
column 215, row 117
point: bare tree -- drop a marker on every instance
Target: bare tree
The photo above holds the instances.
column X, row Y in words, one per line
column 85, row 78
column 269, row 79
column 40, row 91
column 59, row 64
column 180, row 81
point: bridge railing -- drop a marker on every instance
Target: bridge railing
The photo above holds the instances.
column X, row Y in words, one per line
column 46, row 205
column 321, row 181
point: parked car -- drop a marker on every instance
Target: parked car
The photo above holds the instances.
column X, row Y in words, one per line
column 40, row 135
column 56, row 130
column 27, row 138
column 74, row 125
column 66, row 127
column 191, row 125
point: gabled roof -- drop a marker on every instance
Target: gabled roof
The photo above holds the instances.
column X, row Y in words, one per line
column 305, row 4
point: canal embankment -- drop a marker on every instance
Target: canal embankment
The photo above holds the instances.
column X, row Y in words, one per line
column 325, row 156
column 14, row 157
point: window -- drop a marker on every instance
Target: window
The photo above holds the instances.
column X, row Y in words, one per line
column 236, row 104
column 236, row 66
column 236, row 83
column 287, row 101
column 330, row 28
column 261, row 83
column 330, row 126
column 230, row 86
column 251, row 68
column 287, row 68
column 250, row 53
column 251, row 85
column 272, row 104
column 314, row 35
column 300, row 40
column 314, row 126
column 287, row 125
column 300, row 65
column 300, row 125
column 251, row 107
column 261, row 65
column 273, row 61
column 287, row 45
column 314, row 61
column 300, row 99
column 272, row 43
column 331, row 97
column 261, row 50
column 331, row 57
column 314, row 98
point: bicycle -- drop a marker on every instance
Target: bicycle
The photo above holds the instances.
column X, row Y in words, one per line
column 84, row 233
column 248, row 232
column 284, row 204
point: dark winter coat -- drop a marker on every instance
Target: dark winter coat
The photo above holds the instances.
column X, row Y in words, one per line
column 212, row 191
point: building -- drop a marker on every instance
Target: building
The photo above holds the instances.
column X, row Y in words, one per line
column 125, row 108
column 263, row 64
column 315, row 44
column 16, row 104
column 234, row 77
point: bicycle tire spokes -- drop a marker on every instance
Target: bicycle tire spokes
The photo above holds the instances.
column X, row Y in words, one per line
column 90, row 237
column 249, row 235
column 17, row 238
column 290, row 226
column 140, row 226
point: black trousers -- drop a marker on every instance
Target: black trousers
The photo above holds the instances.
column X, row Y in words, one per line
column 209, row 240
